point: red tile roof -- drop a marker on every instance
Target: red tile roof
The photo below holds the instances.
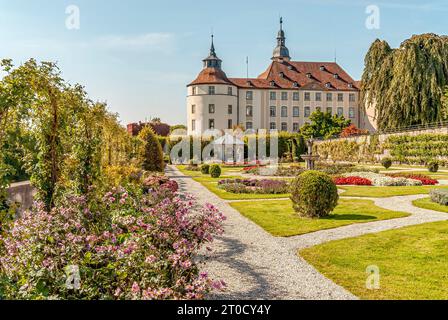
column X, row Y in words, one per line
column 211, row 76
column 298, row 74
column 287, row 75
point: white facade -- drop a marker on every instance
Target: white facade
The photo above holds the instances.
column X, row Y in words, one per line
column 281, row 98
column 207, row 111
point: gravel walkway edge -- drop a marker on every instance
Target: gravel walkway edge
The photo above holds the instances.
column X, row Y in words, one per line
column 257, row 266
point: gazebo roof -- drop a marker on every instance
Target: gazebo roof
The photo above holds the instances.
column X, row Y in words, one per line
column 228, row 139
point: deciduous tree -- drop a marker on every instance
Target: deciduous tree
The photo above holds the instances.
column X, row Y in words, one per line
column 324, row 125
column 405, row 85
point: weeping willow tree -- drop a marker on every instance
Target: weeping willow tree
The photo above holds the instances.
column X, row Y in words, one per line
column 406, row 85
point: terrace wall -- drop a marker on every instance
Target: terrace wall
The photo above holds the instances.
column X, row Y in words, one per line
column 21, row 193
column 383, row 136
column 376, row 154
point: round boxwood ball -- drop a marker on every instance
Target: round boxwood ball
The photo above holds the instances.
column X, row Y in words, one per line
column 314, row 194
column 205, row 169
column 215, row 171
column 386, row 162
column 433, row 166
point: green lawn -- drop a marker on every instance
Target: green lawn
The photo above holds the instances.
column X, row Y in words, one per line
column 384, row 192
column 426, row 203
column 412, row 262
column 225, row 171
column 278, row 217
column 212, row 185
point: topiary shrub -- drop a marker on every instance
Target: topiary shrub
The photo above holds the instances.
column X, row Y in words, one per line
column 386, row 163
column 314, row 194
column 152, row 151
column 215, row 171
column 433, row 166
column 439, row 196
column 205, row 169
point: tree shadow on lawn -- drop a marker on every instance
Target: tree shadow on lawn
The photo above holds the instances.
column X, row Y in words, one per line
column 229, row 254
column 355, row 217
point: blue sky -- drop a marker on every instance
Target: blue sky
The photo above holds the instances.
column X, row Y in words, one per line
column 139, row 55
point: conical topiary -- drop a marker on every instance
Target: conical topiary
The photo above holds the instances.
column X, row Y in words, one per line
column 152, row 152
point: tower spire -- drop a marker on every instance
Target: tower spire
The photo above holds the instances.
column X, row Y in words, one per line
column 281, row 52
column 212, row 61
column 212, row 48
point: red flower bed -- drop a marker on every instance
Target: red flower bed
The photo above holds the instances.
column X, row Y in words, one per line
column 426, row 180
column 250, row 168
column 356, row 181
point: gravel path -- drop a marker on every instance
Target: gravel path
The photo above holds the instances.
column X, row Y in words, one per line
column 402, row 203
column 257, row 265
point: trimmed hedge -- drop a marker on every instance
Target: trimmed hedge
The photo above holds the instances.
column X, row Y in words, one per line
column 205, row 169
column 215, row 171
column 386, row 163
column 439, row 196
column 290, row 145
column 418, row 149
column 433, row 166
column 314, row 194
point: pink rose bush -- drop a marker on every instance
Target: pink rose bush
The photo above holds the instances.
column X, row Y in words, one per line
column 129, row 245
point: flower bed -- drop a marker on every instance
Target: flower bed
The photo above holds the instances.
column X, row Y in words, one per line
column 251, row 169
column 426, row 180
column 342, row 168
column 131, row 244
column 383, row 180
column 265, row 186
column 354, row 181
column 280, row 171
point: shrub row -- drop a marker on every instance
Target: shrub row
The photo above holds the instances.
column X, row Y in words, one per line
column 419, row 149
column 439, row 196
column 290, row 145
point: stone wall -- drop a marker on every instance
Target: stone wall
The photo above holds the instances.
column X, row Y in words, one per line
column 383, row 136
column 23, row 194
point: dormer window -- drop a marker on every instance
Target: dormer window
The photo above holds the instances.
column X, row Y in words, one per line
column 322, row 68
column 272, row 83
column 282, row 75
column 328, row 85
column 249, row 83
column 295, row 85
column 308, row 75
column 336, row 76
column 289, row 67
column 350, row 85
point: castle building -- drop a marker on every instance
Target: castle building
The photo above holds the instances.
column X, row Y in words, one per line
column 283, row 97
